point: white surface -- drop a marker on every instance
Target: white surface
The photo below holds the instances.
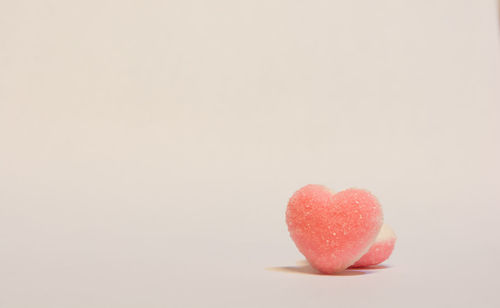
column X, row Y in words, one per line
column 148, row 149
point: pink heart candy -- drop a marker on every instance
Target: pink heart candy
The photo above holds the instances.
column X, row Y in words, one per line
column 333, row 231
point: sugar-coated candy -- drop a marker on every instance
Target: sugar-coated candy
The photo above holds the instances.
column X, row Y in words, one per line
column 380, row 250
column 333, row 231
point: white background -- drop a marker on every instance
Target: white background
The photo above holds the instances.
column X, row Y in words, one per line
column 148, row 149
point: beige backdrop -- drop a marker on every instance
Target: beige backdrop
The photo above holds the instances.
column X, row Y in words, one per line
column 148, row 149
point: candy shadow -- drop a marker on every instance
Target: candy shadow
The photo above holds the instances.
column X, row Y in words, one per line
column 303, row 267
column 373, row 267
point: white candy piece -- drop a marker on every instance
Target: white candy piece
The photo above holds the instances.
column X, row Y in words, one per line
column 380, row 250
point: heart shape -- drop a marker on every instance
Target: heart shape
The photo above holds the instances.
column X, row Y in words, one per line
column 333, row 231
